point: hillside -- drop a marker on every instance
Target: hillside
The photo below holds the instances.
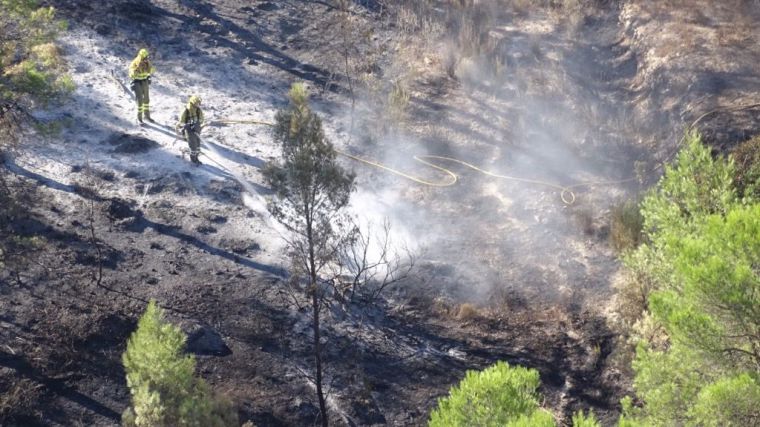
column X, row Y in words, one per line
column 552, row 116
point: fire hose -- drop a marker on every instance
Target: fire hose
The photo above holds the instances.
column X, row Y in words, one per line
column 566, row 192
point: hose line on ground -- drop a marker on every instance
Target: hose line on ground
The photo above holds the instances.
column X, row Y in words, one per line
column 566, row 192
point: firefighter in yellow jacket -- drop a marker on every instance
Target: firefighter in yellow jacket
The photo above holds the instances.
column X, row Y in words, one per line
column 140, row 71
column 191, row 122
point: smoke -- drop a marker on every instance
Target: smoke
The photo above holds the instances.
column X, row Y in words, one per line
column 535, row 97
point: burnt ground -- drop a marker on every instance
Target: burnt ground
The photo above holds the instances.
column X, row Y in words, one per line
column 612, row 83
column 386, row 364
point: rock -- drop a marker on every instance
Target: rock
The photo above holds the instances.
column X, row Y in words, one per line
column 205, row 341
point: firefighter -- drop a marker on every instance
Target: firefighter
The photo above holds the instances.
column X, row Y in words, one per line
column 190, row 124
column 140, row 71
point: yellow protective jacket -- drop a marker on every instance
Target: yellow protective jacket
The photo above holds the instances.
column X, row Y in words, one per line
column 140, row 69
column 191, row 115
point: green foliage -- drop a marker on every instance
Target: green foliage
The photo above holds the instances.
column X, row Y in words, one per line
column 698, row 272
column 495, row 396
column 696, row 185
column 747, row 177
column 538, row 418
column 501, row 395
column 581, row 419
column 31, row 66
column 715, row 305
column 308, row 175
column 730, row 401
column 668, row 381
column 161, row 379
column 311, row 188
column 51, row 128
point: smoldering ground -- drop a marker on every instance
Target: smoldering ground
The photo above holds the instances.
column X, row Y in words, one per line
column 535, row 96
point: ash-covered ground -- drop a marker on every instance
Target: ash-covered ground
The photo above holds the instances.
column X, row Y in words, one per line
column 575, row 99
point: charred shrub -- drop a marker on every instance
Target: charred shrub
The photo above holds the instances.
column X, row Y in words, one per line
column 584, row 219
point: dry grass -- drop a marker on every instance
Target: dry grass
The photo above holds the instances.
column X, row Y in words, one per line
column 49, row 55
column 18, row 396
column 467, row 312
column 626, row 224
column 632, row 298
column 398, row 102
column 464, row 312
column 747, row 159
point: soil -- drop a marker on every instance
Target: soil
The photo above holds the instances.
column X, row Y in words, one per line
column 580, row 101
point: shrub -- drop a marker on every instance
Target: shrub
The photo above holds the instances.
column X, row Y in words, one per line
column 161, row 379
column 467, row 312
column 31, row 63
column 696, row 186
column 582, row 420
column 499, row 396
column 493, row 397
column 696, row 360
column 398, row 102
column 747, row 176
column 626, row 225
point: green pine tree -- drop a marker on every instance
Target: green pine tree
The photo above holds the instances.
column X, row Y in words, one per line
column 701, row 262
column 160, row 377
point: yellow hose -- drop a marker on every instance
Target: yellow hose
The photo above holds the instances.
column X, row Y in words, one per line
column 566, row 192
column 238, row 122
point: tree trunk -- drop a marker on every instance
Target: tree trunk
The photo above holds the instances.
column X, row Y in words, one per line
column 314, row 286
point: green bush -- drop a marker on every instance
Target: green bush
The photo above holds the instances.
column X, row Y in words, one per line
column 747, row 177
column 697, row 357
column 695, row 186
column 161, row 380
column 583, row 420
column 493, row 397
column 499, row 396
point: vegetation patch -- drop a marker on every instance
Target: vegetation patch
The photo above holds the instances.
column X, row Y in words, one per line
column 747, row 177
column 626, row 225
